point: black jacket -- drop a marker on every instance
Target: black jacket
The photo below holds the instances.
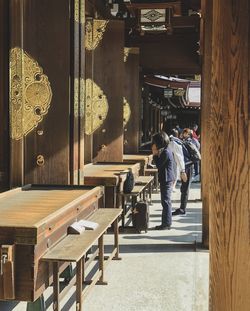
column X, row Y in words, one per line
column 165, row 165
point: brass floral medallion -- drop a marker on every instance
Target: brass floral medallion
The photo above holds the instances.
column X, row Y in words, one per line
column 97, row 107
column 30, row 94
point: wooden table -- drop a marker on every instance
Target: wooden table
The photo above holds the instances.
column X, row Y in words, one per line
column 143, row 159
column 33, row 220
column 110, row 175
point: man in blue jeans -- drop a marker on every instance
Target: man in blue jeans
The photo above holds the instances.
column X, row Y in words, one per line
column 185, row 184
column 163, row 158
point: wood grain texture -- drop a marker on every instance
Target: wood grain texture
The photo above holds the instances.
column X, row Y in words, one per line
column 108, row 73
column 206, row 143
column 35, row 220
column 229, row 215
column 132, row 92
column 49, row 43
column 4, row 107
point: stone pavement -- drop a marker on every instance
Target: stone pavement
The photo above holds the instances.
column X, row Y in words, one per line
column 159, row 271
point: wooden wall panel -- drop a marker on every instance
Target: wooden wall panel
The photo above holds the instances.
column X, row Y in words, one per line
column 132, row 93
column 105, row 67
column 207, row 12
column 4, row 101
column 229, row 197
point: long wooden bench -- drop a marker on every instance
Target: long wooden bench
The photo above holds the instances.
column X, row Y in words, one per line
column 73, row 248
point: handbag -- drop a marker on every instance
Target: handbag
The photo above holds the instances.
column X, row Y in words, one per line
column 129, row 183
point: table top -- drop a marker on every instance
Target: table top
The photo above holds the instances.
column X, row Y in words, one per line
column 31, row 208
column 136, row 157
column 107, row 173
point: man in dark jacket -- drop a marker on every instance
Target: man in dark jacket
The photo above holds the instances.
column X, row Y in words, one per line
column 163, row 158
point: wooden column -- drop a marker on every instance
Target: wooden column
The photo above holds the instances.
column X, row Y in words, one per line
column 229, row 179
column 4, row 95
column 206, row 44
column 132, row 94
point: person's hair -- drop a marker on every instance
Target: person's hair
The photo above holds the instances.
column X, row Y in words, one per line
column 161, row 140
column 195, row 126
column 174, row 132
column 187, row 131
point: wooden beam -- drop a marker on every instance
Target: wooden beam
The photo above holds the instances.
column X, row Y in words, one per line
column 230, row 133
column 206, row 34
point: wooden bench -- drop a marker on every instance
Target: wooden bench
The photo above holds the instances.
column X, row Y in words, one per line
column 138, row 191
column 148, row 182
column 73, row 248
column 153, row 172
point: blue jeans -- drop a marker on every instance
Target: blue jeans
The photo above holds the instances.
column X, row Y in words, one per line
column 185, row 186
column 166, row 191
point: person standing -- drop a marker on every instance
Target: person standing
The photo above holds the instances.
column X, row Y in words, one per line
column 185, row 184
column 163, row 158
column 196, row 164
column 175, row 146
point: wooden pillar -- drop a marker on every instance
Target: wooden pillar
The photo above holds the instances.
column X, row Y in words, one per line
column 4, row 95
column 206, row 44
column 229, row 179
column 132, row 94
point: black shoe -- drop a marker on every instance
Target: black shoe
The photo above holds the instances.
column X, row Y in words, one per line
column 162, row 227
column 179, row 212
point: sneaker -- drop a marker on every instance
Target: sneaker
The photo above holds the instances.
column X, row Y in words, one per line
column 162, row 227
column 178, row 212
column 196, row 178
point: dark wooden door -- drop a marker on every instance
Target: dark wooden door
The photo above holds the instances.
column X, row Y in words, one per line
column 132, row 95
column 104, row 78
column 45, row 56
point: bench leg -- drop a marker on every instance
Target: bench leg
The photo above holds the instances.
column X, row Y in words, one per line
column 38, row 305
column 67, row 274
column 123, row 211
column 116, row 238
column 56, row 286
column 150, row 193
column 79, row 276
column 101, row 261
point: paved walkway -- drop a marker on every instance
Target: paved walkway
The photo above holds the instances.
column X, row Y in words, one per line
column 159, row 271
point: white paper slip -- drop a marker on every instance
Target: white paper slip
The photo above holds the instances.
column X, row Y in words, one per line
column 89, row 225
column 76, row 228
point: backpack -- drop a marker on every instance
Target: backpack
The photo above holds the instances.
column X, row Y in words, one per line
column 194, row 153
